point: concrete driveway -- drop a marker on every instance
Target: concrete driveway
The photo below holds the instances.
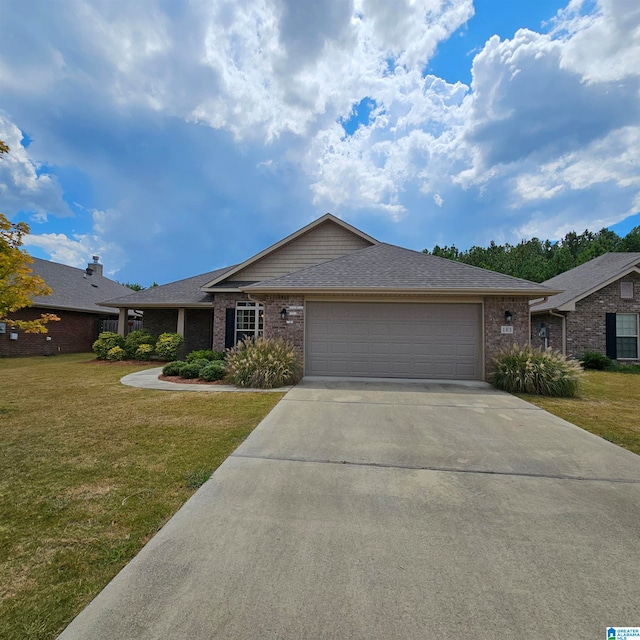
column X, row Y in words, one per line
column 404, row 510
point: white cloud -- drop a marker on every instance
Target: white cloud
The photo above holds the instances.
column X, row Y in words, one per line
column 77, row 250
column 24, row 185
column 61, row 248
column 615, row 159
column 546, row 136
column 602, row 45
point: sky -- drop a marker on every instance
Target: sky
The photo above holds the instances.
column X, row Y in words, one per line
column 173, row 138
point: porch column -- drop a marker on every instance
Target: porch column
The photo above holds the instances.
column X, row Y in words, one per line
column 123, row 316
column 180, row 328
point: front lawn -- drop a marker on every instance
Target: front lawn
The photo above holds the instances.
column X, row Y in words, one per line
column 607, row 405
column 91, row 469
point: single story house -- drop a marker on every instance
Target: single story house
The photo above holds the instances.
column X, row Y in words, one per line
column 353, row 305
column 74, row 298
column 597, row 309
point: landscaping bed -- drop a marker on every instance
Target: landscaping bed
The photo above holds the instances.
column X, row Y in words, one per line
column 180, row 380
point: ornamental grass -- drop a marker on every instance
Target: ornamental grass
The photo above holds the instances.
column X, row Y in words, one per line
column 536, row 371
column 264, row 363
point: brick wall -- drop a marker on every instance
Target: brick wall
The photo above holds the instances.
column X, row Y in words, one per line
column 75, row 333
column 223, row 301
column 494, row 340
column 198, row 326
column 554, row 331
column 291, row 329
column 158, row 321
column 586, row 325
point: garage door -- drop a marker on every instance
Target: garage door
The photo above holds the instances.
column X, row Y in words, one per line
column 373, row 339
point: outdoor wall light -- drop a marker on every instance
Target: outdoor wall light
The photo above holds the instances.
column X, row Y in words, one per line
column 508, row 317
column 283, row 313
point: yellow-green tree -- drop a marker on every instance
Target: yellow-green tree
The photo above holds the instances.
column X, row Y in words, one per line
column 18, row 283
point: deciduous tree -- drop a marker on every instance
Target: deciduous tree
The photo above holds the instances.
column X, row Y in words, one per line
column 18, row 283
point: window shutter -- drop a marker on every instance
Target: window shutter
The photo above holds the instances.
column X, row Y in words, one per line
column 612, row 351
column 230, row 328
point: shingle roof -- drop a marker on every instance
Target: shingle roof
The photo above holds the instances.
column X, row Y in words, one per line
column 180, row 293
column 71, row 290
column 230, row 284
column 586, row 278
column 388, row 267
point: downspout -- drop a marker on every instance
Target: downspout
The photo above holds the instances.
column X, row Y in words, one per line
column 564, row 329
column 542, row 301
column 180, row 322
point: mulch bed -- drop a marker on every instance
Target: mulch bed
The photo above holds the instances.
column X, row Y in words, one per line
column 116, row 363
column 188, row 380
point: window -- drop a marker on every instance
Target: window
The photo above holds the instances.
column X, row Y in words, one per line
column 626, row 290
column 627, row 335
column 249, row 320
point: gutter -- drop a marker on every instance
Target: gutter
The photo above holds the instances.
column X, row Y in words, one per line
column 564, row 329
column 396, row 292
column 254, row 299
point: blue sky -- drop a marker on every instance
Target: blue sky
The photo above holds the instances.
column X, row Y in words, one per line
column 173, row 138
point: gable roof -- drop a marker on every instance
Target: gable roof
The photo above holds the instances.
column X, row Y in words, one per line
column 182, row 293
column 388, row 268
column 285, row 241
column 581, row 281
column 73, row 289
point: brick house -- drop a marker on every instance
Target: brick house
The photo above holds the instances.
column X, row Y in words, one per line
column 353, row 305
column 597, row 310
column 74, row 299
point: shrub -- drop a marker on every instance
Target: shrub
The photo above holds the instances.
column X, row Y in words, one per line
column 167, row 346
column 190, row 370
column 144, row 352
column 172, row 368
column 264, row 363
column 201, row 362
column 205, row 354
column 116, row 353
column 595, row 360
column 107, row 340
column 537, row 371
column 136, row 339
column 628, row 368
column 213, row 371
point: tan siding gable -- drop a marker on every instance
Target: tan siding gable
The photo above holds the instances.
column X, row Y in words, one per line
column 325, row 242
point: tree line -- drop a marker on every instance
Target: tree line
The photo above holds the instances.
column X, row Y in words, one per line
column 538, row 260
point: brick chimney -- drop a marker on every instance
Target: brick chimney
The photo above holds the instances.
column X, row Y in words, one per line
column 95, row 266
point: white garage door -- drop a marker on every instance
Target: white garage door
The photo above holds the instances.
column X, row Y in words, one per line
column 391, row 340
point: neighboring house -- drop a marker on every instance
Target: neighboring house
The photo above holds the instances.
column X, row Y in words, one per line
column 596, row 311
column 353, row 305
column 74, row 299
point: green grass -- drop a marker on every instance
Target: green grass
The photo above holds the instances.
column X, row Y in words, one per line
column 91, row 469
column 607, row 405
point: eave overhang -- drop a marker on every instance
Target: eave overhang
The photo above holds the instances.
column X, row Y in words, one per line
column 161, row 305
